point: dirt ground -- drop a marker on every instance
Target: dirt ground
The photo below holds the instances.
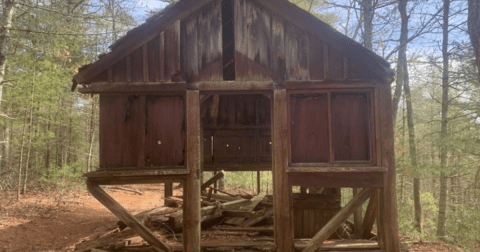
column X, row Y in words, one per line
column 57, row 220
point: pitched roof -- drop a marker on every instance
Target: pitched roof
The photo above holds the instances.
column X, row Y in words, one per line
column 292, row 13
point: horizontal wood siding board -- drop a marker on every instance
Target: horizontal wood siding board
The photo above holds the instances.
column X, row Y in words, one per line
column 335, row 179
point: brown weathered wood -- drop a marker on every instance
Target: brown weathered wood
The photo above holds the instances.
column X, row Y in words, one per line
column 278, row 48
column 241, row 39
column 191, row 214
column 244, row 214
column 330, row 84
column 145, row 62
column 251, row 222
column 357, row 217
column 336, row 179
column 221, row 197
column 338, row 219
column 110, row 74
column 326, row 67
column 268, row 230
column 340, row 169
column 161, row 56
column 388, row 160
column 137, row 65
column 343, row 245
column 345, row 68
column 168, row 190
column 134, row 172
column 259, row 181
column 123, row 215
column 316, row 59
column 281, row 193
column 141, row 128
column 296, row 53
column 370, row 216
column 255, row 201
column 172, row 51
column 100, row 88
column 210, row 42
column 128, row 67
column 191, row 48
column 212, row 180
column 259, row 37
column 232, row 85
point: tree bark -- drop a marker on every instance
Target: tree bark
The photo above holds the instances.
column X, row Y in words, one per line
column 402, row 57
column 367, row 8
column 8, row 8
column 474, row 29
column 442, row 203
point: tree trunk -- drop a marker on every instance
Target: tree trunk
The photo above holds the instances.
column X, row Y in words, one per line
column 8, row 8
column 442, row 203
column 474, row 29
column 367, row 9
column 19, row 187
column 402, row 57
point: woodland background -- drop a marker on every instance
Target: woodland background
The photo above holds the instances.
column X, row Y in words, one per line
column 49, row 135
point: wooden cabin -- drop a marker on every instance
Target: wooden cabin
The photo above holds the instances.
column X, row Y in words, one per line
column 248, row 85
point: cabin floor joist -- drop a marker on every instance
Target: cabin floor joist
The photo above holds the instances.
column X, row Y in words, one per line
column 250, row 85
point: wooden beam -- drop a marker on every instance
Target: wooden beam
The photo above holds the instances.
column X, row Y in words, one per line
column 231, row 85
column 168, row 190
column 281, row 192
column 340, row 169
column 357, row 217
column 212, row 180
column 336, row 179
column 331, row 84
column 191, row 214
column 338, row 219
column 124, row 216
column 100, row 88
column 370, row 215
column 255, row 201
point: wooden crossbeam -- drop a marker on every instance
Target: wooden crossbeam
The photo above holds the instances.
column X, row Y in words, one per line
column 338, row 219
column 370, row 216
column 124, row 216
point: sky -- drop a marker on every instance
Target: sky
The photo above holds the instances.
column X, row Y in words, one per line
column 144, row 6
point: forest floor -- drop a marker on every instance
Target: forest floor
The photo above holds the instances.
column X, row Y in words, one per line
column 57, row 220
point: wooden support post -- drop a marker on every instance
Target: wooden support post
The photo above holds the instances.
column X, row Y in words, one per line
column 281, row 191
column 370, row 216
column 168, row 189
column 357, row 218
column 338, row 219
column 258, row 182
column 388, row 161
column 124, row 216
column 212, row 180
column 191, row 224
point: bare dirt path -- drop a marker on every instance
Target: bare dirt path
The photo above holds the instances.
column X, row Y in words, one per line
column 57, row 220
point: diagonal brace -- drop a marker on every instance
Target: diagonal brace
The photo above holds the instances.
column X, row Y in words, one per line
column 124, row 216
column 338, row 219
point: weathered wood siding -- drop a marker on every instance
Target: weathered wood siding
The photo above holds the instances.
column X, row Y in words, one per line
column 267, row 47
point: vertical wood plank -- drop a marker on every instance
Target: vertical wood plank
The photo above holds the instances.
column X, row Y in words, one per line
column 145, row 62
column 119, row 71
column 282, row 192
column 161, row 56
column 259, row 35
column 153, row 60
column 241, row 39
column 129, row 67
column 137, row 65
column 172, row 51
column 388, row 161
column 345, row 68
column 110, row 74
column 335, row 64
column 296, row 53
column 278, row 47
column 316, row 59
column 191, row 49
column 210, row 57
column 191, row 213
column 326, row 68
column 141, row 129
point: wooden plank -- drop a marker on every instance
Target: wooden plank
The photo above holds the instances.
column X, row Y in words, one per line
column 141, row 129
column 165, row 134
column 168, row 190
column 123, row 215
column 210, row 42
column 145, row 62
column 335, row 64
column 191, row 214
column 255, row 201
column 338, row 219
column 330, row 84
column 259, row 36
column 241, row 40
column 282, row 193
column 296, row 53
column 212, row 180
column 99, row 88
column 161, row 56
column 135, row 172
column 267, row 230
column 232, row 85
column 339, row 169
column 172, row 51
column 120, row 71
column 388, row 160
column 277, row 63
column 153, row 60
column 357, row 217
column 110, row 74
column 191, row 49
column 370, row 216
column 128, row 62
column 137, row 65
column 316, row 62
column 326, row 61
column 336, row 179
column 245, row 214
column 343, row 245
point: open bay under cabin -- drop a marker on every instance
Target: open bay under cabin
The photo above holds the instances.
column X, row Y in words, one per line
column 250, row 85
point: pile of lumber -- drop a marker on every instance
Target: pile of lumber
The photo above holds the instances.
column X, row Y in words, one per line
column 222, row 214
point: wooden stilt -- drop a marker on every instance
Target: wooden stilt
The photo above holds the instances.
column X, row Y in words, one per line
column 338, row 219
column 168, row 189
column 191, row 213
column 258, row 182
column 281, row 191
column 124, row 216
